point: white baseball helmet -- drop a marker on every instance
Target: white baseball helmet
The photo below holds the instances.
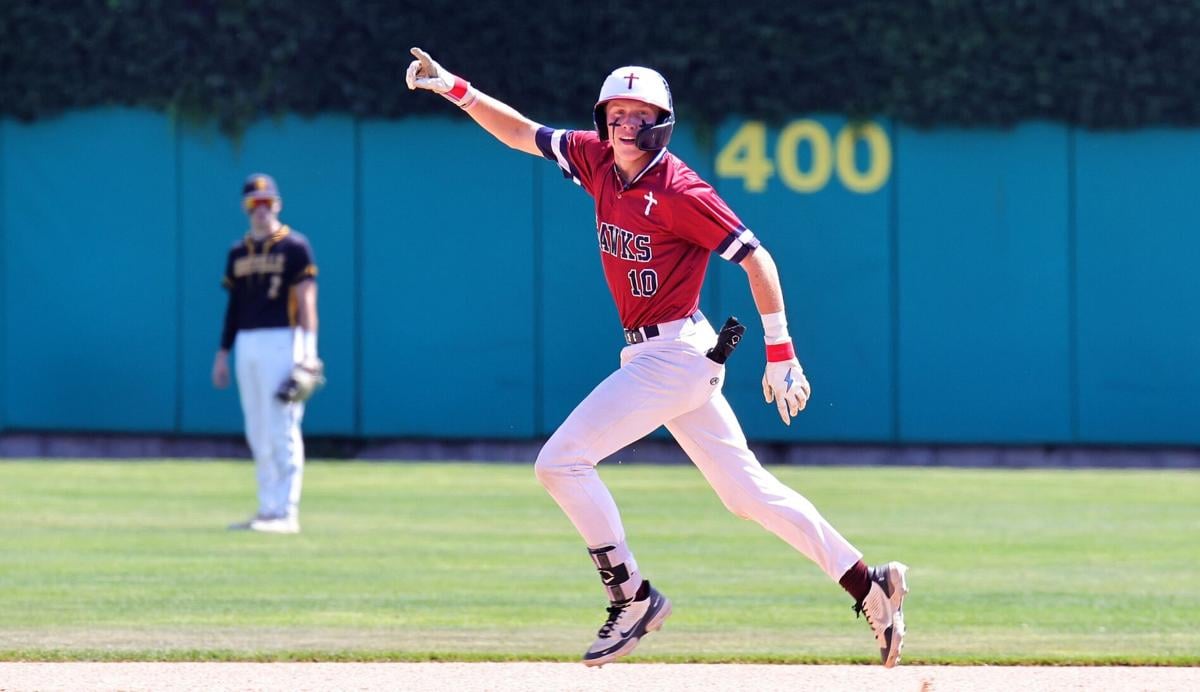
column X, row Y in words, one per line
column 640, row 84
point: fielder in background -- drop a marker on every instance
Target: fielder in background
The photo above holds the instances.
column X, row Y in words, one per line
column 271, row 318
column 656, row 223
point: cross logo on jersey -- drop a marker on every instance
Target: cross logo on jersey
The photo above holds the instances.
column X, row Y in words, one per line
column 650, row 202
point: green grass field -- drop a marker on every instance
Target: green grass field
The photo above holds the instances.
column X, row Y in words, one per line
column 414, row 561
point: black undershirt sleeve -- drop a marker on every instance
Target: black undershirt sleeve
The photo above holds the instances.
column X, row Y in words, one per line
column 230, row 329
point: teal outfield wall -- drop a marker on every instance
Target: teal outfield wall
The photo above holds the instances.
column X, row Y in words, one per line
column 1033, row 285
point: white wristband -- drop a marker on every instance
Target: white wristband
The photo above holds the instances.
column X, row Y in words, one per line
column 775, row 328
column 470, row 99
column 308, row 341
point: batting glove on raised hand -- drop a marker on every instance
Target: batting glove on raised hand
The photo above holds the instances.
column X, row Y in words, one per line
column 785, row 384
column 426, row 73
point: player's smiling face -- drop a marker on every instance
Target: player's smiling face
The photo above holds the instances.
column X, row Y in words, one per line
column 625, row 118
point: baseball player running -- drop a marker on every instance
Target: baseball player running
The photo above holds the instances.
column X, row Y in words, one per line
column 270, row 275
column 656, row 223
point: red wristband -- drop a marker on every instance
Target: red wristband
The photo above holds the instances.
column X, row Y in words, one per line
column 777, row 353
column 459, row 91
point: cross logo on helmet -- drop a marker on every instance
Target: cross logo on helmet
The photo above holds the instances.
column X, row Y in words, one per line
column 631, row 76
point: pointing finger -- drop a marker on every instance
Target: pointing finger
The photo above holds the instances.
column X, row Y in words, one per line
column 426, row 61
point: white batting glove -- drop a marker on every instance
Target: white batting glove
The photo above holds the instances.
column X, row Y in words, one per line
column 426, row 73
column 784, row 382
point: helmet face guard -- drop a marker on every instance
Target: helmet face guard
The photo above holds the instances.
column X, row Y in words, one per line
column 655, row 137
column 638, row 84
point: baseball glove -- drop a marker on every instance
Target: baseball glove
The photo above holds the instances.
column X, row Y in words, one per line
column 304, row 381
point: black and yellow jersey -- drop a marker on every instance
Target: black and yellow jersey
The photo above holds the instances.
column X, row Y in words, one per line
column 259, row 275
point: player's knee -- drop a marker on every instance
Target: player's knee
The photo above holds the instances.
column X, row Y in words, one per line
column 738, row 504
column 557, row 460
column 547, row 469
column 739, row 511
column 545, row 472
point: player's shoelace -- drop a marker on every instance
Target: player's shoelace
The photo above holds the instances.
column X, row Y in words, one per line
column 614, row 614
column 860, row 610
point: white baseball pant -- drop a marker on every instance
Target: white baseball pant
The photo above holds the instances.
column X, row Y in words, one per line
column 667, row 380
column 264, row 360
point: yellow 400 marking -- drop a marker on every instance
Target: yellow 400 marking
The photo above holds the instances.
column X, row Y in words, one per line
column 745, row 156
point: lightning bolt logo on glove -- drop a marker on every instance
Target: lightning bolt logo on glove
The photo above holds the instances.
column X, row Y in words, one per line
column 785, row 384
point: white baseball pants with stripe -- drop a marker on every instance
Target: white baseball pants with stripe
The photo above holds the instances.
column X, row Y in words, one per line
column 669, row 381
column 264, row 359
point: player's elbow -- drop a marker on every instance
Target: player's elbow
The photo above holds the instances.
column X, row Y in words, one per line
column 515, row 144
column 522, row 137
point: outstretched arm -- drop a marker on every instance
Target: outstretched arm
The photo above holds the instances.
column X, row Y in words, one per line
column 498, row 118
column 784, row 380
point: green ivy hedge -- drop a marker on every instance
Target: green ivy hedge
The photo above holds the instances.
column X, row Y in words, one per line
column 1094, row 63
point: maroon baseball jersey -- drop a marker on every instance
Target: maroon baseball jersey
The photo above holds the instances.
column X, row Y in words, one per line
column 655, row 234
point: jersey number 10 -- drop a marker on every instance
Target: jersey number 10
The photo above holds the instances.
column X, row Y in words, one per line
column 644, row 283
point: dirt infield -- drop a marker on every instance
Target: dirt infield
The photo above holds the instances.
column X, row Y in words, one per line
column 504, row 677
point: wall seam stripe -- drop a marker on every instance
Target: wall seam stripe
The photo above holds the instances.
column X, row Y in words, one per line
column 357, row 333
column 4, row 378
column 179, row 283
column 1072, row 288
column 894, row 270
column 539, row 304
